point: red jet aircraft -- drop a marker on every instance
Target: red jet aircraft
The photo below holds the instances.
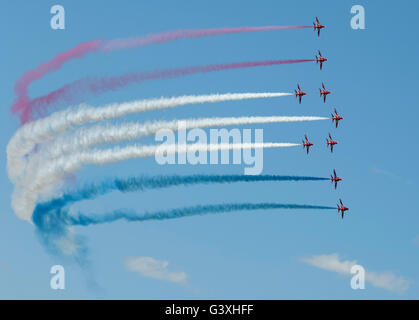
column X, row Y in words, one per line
column 307, row 144
column 299, row 93
column 335, row 178
column 324, row 92
column 331, row 142
column 318, row 26
column 320, row 59
column 336, row 117
column 342, row 208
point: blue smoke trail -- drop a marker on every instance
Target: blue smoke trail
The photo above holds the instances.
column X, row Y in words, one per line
column 85, row 220
column 145, row 183
column 53, row 227
column 58, row 220
column 53, row 220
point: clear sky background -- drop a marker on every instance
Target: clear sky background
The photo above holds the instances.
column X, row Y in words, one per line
column 373, row 76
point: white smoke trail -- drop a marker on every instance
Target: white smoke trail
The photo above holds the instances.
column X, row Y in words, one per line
column 104, row 134
column 43, row 176
column 29, row 135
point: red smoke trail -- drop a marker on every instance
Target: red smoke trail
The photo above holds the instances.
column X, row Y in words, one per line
column 21, row 86
column 119, row 44
column 75, row 91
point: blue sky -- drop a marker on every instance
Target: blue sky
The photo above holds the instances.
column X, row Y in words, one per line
column 372, row 74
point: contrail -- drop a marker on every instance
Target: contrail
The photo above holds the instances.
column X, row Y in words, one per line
column 38, row 131
column 103, row 134
column 80, row 50
column 143, row 183
column 78, row 218
column 42, row 176
column 81, row 89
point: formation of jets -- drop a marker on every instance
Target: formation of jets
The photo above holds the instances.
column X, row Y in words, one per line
column 334, row 116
